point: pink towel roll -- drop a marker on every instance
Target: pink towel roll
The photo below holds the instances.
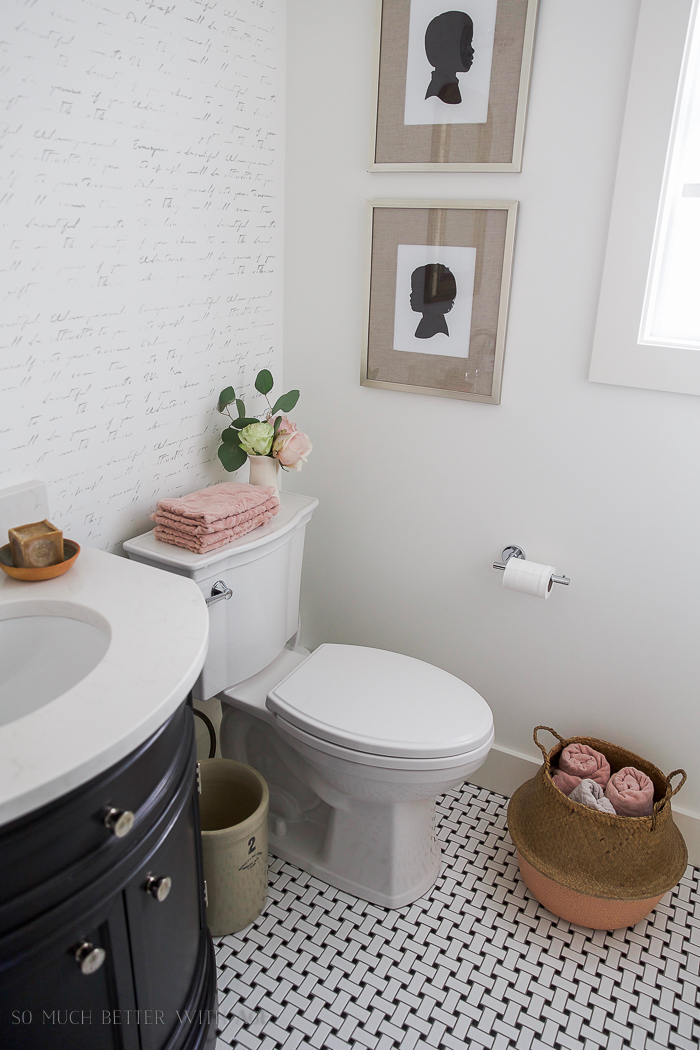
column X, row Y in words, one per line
column 582, row 762
column 565, row 782
column 631, row 793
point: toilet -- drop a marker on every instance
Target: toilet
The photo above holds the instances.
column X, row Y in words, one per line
column 355, row 743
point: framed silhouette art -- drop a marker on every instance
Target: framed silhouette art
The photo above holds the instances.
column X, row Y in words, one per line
column 438, row 289
column 452, row 84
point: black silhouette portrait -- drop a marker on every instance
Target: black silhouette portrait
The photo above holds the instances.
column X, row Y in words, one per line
column 433, row 294
column 448, row 45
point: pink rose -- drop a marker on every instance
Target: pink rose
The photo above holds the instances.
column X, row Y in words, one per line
column 292, row 449
column 285, row 424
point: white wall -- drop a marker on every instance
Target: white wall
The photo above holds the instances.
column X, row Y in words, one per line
column 419, row 494
column 140, row 190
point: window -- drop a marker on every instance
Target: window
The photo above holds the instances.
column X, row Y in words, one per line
column 671, row 314
column 648, row 325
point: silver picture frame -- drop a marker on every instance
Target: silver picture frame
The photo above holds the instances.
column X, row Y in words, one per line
column 495, row 145
column 484, row 231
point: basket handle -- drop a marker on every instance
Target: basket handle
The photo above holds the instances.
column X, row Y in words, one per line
column 658, row 806
column 675, row 774
column 554, row 733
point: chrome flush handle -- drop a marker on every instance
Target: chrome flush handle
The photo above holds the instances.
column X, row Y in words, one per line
column 219, row 593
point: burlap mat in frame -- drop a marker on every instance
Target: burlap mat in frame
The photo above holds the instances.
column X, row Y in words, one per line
column 615, row 858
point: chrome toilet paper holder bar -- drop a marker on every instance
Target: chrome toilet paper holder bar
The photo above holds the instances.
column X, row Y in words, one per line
column 517, row 552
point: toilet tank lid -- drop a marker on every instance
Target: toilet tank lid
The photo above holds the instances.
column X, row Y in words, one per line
column 294, row 511
column 382, row 703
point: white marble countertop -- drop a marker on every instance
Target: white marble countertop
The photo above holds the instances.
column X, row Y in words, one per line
column 158, row 626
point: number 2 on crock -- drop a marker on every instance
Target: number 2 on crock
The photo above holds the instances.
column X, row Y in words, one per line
column 251, row 845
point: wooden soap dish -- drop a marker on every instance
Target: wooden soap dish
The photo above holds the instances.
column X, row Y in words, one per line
column 48, row 572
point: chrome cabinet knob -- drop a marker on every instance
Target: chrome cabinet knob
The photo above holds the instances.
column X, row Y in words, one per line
column 89, row 958
column 119, row 821
column 158, row 888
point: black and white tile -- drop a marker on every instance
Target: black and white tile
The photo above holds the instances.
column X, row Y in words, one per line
column 476, row 963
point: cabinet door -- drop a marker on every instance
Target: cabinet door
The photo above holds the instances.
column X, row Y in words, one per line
column 166, row 935
column 48, row 1003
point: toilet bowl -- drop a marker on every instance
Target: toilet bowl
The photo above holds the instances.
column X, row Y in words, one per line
column 355, row 743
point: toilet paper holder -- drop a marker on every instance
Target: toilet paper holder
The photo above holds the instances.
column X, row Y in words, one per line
column 517, row 552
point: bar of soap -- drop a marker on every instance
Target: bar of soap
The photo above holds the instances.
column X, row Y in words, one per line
column 36, row 545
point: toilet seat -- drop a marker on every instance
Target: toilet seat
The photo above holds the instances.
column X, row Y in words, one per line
column 375, row 706
column 364, row 758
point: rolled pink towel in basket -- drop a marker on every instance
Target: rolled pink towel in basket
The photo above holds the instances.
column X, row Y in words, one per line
column 564, row 781
column 590, row 794
column 581, row 761
column 631, row 793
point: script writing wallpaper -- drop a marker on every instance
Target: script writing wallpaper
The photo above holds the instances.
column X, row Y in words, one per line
column 140, row 222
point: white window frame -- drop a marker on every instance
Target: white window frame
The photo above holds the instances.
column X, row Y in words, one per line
column 618, row 356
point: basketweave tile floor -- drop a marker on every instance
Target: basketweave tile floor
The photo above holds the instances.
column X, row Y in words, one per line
column 476, row 963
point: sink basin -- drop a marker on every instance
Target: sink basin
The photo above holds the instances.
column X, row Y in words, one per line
column 92, row 663
column 45, row 649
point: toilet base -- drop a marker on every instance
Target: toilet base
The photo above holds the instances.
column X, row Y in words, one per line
column 379, row 847
column 350, row 850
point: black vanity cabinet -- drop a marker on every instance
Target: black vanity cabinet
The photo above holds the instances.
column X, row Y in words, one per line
column 103, row 938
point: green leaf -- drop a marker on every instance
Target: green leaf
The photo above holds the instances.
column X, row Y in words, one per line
column 287, row 402
column 232, row 456
column 264, row 381
column 241, row 408
column 244, row 421
column 230, row 436
column 277, row 423
column 226, row 398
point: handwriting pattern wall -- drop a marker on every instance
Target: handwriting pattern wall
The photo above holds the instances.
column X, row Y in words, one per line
column 140, row 170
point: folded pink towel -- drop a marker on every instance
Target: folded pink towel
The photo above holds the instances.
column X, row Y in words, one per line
column 217, row 502
column 631, row 793
column 187, row 526
column 210, row 518
column 203, row 544
column 582, row 762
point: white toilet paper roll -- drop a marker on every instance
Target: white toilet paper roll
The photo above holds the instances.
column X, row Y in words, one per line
column 528, row 577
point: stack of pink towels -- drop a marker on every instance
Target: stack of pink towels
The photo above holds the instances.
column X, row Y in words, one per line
column 584, row 775
column 215, row 516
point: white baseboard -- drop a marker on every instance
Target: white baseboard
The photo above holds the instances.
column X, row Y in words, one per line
column 505, row 770
column 689, row 826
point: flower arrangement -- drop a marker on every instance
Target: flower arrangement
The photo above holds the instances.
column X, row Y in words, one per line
column 275, row 435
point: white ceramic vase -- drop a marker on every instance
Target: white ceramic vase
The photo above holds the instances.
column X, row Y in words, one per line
column 264, row 470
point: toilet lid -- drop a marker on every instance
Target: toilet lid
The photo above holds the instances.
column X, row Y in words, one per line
column 382, row 703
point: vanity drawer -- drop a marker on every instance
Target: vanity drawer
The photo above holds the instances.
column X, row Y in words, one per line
column 65, row 845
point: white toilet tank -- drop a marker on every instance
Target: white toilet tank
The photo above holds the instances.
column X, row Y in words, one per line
column 263, row 569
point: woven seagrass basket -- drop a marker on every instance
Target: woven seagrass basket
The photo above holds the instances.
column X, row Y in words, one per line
column 591, row 868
